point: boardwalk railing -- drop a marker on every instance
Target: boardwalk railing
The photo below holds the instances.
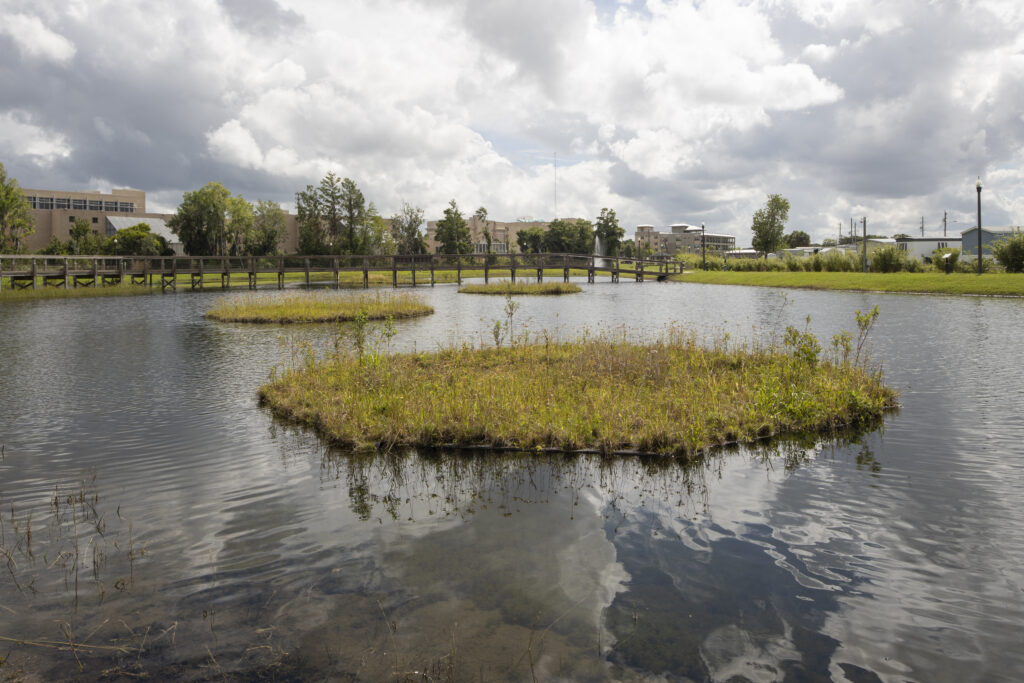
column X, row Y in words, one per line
column 168, row 272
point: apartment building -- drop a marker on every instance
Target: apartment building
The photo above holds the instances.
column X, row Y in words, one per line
column 682, row 237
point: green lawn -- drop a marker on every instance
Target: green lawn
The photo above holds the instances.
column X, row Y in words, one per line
column 989, row 284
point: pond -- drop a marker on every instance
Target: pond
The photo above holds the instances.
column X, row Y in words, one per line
column 156, row 521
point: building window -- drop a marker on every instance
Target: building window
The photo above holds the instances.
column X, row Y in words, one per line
column 31, row 201
column 95, row 220
column 62, row 203
column 44, row 203
column 95, row 205
column 71, row 219
column 110, row 206
column 126, row 207
column 78, row 204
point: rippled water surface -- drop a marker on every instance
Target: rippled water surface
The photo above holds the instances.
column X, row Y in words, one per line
column 155, row 521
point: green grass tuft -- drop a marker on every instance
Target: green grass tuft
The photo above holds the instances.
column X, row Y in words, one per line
column 9, row 294
column 310, row 307
column 606, row 394
column 506, row 287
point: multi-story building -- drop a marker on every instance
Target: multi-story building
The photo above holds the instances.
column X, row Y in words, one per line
column 503, row 235
column 681, row 237
column 55, row 213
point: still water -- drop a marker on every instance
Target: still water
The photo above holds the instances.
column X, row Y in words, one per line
column 155, row 521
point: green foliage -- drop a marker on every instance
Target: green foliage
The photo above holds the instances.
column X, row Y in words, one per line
column 136, row 240
column 1009, row 251
column 797, row 238
column 16, row 222
column 530, row 240
column 201, row 220
column 268, row 229
column 889, row 259
column 607, row 230
column 803, row 345
column 405, row 230
column 306, row 307
column 453, row 231
column 569, row 236
column 239, row 224
column 939, row 261
column 55, row 247
column 355, row 220
column 333, row 218
column 769, row 223
column 865, row 321
column 507, row 287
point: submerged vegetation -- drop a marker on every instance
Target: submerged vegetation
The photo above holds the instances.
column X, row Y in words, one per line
column 307, row 307
column 504, row 287
column 605, row 394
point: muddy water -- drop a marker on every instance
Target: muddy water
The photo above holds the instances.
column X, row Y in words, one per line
column 156, row 518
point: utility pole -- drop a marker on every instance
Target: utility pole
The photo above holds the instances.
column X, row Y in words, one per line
column 865, row 219
column 922, row 226
column 943, row 223
column 840, row 234
column 554, row 171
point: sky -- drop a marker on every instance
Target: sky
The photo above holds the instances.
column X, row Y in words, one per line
column 664, row 111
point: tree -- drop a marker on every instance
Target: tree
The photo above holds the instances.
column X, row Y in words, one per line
column 16, row 222
column 530, row 240
column 240, row 221
column 453, row 231
column 268, row 229
column 481, row 216
column 375, row 238
column 569, row 236
column 330, row 195
column 769, row 223
column 201, row 220
column 405, row 230
column 608, row 232
column 353, row 218
column 1009, row 251
column 136, row 240
column 797, row 238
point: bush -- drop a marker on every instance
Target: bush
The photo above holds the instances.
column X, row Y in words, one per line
column 889, row 260
column 1009, row 251
column 940, row 263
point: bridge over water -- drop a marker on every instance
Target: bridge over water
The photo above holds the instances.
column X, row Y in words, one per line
column 32, row 271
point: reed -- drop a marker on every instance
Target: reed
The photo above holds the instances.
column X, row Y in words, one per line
column 8, row 294
column 606, row 394
column 505, row 287
column 309, row 307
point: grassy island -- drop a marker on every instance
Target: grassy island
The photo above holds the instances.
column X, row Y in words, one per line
column 506, row 287
column 609, row 395
column 989, row 284
column 311, row 307
column 9, row 294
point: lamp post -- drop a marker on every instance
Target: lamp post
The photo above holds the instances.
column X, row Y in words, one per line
column 979, row 225
column 703, row 249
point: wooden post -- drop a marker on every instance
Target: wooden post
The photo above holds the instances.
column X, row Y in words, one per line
column 512, row 261
column 412, row 266
column 458, row 268
column 431, row 270
column 366, row 273
column 565, row 267
column 280, row 272
column 486, row 271
column 307, row 271
column 540, row 268
column 394, row 271
column 65, row 273
column 337, row 275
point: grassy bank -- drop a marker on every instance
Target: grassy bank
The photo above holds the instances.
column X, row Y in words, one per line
column 607, row 394
column 310, row 307
column 8, row 294
column 507, row 287
column 989, row 284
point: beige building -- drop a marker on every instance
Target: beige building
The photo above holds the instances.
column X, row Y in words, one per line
column 503, row 235
column 55, row 213
column 682, row 237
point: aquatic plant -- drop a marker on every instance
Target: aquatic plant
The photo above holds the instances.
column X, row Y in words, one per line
column 305, row 307
column 504, row 287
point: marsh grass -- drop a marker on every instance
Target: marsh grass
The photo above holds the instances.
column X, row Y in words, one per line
column 505, row 287
column 308, row 307
column 605, row 394
column 989, row 284
column 9, row 294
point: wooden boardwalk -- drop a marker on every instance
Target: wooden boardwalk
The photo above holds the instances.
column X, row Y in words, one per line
column 22, row 272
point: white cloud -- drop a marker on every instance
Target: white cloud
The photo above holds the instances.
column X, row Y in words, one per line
column 20, row 137
column 233, row 143
column 35, row 40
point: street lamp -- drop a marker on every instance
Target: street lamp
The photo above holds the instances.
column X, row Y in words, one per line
column 703, row 248
column 979, row 224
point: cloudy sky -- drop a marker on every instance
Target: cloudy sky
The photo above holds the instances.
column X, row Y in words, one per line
column 665, row 111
